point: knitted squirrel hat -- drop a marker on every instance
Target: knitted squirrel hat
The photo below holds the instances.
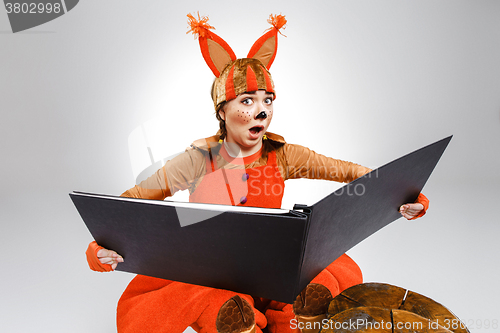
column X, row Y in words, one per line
column 235, row 76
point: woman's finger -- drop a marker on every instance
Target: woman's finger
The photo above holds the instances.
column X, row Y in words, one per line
column 105, row 253
column 107, row 260
column 409, row 211
column 110, row 260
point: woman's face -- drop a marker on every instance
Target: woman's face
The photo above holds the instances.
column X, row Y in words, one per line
column 247, row 118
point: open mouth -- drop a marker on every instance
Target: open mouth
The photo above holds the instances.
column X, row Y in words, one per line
column 256, row 129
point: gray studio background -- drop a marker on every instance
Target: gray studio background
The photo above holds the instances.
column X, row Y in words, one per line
column 364, row 81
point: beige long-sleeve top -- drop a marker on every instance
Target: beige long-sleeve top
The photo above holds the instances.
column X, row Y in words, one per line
column 186, row 170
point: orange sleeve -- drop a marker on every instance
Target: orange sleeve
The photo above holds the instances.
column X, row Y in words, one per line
column 177, row 174
column 155, row 187
column 301, row 162
column 93, row 261
column 425, row 202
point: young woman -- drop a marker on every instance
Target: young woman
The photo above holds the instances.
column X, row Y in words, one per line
column 242, row 164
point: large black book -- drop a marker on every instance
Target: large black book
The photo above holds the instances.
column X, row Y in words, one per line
column 269, row 253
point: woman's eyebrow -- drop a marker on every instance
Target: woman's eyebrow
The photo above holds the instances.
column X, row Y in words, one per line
column 255, row 92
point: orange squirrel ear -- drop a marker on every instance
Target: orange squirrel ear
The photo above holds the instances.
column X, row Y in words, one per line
column 265, row 48
column 215, row 50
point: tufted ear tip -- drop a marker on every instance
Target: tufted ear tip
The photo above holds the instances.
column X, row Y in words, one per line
column 266, row 47
column 199, row 27
column 216, row 52
column 277, row 21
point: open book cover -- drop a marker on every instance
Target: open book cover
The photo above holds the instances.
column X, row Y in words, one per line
column 271, row 253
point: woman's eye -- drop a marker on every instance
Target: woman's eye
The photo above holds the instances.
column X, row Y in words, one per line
column 247, row 101
column 269, row 101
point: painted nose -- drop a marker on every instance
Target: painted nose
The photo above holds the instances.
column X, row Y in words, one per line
column 262, row 115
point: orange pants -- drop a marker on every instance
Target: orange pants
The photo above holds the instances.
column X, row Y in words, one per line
column 161, row 306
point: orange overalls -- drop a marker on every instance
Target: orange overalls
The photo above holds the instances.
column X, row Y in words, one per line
column 161, row 306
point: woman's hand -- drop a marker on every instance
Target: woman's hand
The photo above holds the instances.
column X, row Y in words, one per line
column 109, row 257
column 411, row 210
column 101, row 259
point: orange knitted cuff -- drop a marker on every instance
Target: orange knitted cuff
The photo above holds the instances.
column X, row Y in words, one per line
column 422, row 199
